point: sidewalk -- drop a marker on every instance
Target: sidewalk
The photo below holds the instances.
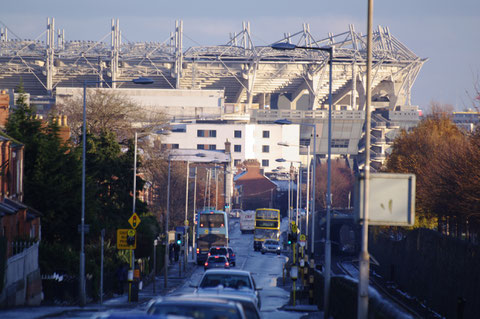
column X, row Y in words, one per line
column 173, row 282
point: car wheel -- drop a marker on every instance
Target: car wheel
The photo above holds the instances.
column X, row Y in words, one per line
column 278, row 253
column 263, row 253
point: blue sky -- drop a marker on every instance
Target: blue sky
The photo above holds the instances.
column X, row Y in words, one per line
column 445, row 32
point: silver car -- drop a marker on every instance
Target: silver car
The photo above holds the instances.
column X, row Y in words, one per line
column 271, row 246
column 229, row 282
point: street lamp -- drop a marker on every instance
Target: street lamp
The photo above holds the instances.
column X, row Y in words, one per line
column 140, row 80
column 165, row 268
column 328, row 247
column 314, row 169
column 290, row 197
column 308, row 179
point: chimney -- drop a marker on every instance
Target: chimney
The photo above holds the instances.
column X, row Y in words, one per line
column 4, row 107
column 228, row 147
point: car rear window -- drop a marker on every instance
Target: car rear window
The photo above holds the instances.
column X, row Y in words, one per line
column 217, row 260
column 197, row 310
column 231, row 281
column 249, row 309
column 218, row 251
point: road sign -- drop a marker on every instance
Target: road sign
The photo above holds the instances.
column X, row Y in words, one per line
column 391, row 199
column 303, row 240
column 124, row 237
column 134, row 220
column 86, row 228
column 294, row 228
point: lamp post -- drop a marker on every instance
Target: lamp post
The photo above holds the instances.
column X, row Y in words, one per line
column 165, row 268
column 364, row 264
column 328, row 246
column 140, row 80
column 308, row 180
column 290, row 198
column 314, row 169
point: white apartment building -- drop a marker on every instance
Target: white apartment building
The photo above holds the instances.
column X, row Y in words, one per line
column 248, row 141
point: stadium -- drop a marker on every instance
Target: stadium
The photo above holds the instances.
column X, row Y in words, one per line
column 263, row 83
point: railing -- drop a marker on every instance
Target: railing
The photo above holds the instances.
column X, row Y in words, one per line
column 19, row 246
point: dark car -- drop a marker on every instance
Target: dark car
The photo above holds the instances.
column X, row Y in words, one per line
column 196, row 307
column 218, row 251
column 231, row 257
column 217, row 262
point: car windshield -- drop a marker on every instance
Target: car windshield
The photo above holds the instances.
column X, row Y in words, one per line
column 228, row 281
column 271, row 242
column 197, row 310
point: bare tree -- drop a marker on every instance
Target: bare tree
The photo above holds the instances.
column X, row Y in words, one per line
column 109, row 110
column 474, row 95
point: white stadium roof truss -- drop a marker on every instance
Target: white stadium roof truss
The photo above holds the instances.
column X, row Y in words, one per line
column 245, row 72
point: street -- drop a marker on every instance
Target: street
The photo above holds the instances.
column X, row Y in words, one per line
column 266, row 269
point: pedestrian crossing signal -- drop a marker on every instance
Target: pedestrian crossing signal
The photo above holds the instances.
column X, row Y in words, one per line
column 179, row 239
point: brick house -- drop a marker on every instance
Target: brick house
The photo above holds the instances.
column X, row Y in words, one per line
column 253, row 189
column 20, row 228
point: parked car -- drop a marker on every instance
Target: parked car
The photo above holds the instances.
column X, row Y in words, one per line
column 218, row 251
column 271, row 246
column 231, row 257
column 217, row 262
column 197, row 307
column 229, row 282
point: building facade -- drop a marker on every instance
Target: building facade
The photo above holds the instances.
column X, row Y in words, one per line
column 248, row 141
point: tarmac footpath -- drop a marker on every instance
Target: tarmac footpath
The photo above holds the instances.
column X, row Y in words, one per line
column 148, row 292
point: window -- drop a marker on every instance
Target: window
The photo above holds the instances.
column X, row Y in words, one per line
column 265, row 148
column 237, row 134
column 339, row 143
column 237, row 148
column 266, row 134
column 265, row 163
column 206, row 133
column 236, row 162
column 169, row 146
column 211, row 147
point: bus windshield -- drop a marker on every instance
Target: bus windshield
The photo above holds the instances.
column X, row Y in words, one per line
column 267, row 214
column 212, row 220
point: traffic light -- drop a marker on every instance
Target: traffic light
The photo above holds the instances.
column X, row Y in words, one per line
column 289, row 238
column 294, row 237
column 131, row 238
column 179, row 239
column 134, row 221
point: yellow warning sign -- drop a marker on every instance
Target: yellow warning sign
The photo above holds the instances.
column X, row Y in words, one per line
column 134, row 220
column 126, row 239
column 294, row 228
